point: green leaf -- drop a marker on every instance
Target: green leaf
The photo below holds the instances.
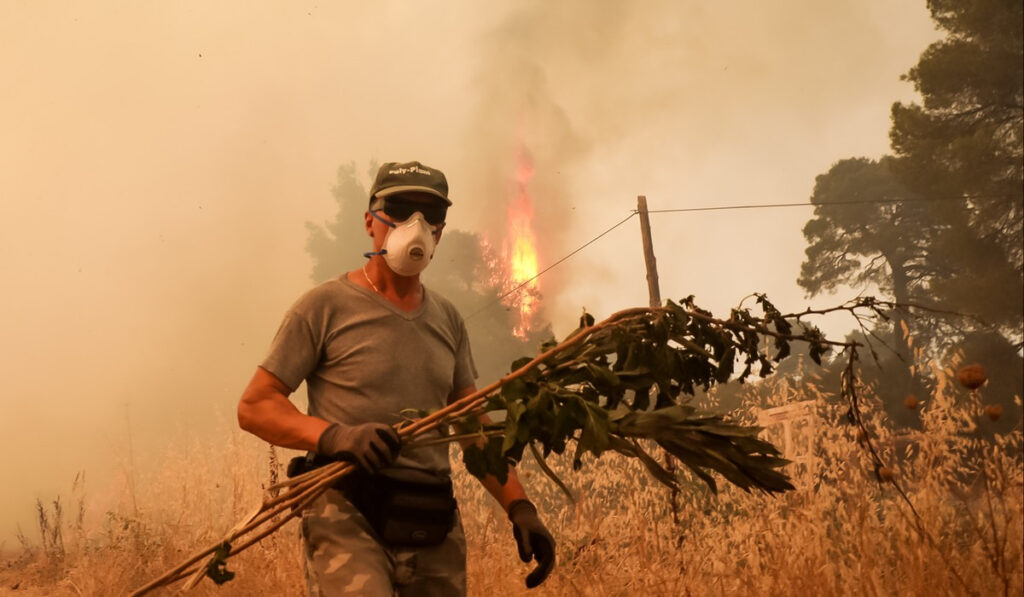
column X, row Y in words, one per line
column 703, row 476
column 514, row 391
column 511, row 435
column 633, row 448
column 495, row 402
column 603, row 375
column 564, row 425
column 664, row 422
column 816, row 350
column 495, row 462
column 725, row 365
column 595, row 429
column 474, row 460
column 727, row 456
column 783, row 347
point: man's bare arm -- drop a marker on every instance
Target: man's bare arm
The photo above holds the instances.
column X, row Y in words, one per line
column 265, row 411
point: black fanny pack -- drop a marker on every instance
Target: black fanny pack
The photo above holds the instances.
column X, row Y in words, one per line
column 406, row 507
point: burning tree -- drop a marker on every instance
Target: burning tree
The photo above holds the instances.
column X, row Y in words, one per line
column 514, row 268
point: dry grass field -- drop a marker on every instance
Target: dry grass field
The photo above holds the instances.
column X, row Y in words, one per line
column 839, row 533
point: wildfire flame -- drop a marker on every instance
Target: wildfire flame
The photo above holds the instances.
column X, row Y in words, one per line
column 523, row 246
column 517, row 262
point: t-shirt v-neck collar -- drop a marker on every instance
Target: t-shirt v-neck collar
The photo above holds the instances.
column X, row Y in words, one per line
column 376, row 297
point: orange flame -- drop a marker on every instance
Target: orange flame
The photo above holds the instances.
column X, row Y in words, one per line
column 523, row 246
column 516, row 264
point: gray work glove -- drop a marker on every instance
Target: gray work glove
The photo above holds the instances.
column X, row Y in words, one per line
column 533, row 539
column 372, row 446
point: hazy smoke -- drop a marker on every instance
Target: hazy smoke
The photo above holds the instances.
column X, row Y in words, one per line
column 160, row 162
column 527, row 101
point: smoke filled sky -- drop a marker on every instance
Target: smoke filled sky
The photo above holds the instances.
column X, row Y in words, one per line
column 160, row 161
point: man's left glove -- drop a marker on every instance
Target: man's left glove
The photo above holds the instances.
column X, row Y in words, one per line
column 533, row 539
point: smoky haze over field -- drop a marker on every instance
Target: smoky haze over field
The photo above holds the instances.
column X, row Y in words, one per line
column 160, row 162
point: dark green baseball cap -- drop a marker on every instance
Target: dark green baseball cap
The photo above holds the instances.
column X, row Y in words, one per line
column 409, row 177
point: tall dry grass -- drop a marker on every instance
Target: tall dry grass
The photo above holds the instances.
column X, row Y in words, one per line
column 839, row 533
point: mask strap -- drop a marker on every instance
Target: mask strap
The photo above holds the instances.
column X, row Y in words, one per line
column 374, row 214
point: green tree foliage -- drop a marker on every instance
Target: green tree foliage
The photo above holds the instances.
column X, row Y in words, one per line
column 884, row 244
column 956, row 242
column 966, row 139
column 459, row 272
column 962, row 152
column 338, row 245
column 860, row 244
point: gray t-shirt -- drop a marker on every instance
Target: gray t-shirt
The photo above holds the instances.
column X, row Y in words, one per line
column 365, row 360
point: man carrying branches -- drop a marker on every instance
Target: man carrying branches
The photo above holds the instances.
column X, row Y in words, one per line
column 370, row 344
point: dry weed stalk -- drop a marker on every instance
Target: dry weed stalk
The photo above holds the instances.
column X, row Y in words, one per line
column 838, row 533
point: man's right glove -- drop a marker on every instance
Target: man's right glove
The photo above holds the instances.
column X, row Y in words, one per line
column 372, row 446
column 533, row 539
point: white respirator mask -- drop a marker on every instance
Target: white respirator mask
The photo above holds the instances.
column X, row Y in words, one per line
column 408, row 246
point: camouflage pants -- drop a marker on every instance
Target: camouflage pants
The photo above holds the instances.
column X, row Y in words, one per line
column 344, row 557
